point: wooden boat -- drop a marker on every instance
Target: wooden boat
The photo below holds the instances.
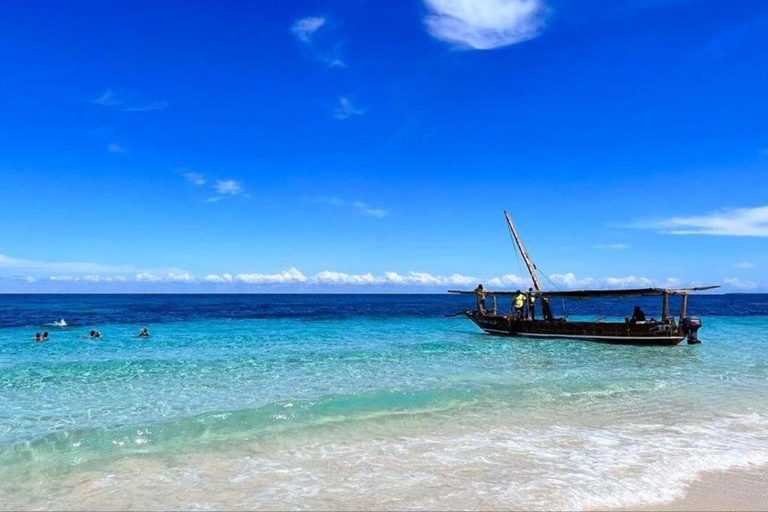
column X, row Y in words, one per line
column 669, row 330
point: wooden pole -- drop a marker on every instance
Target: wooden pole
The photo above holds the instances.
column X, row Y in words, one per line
column 684, row 307
column 528, row 263
column 664, row 306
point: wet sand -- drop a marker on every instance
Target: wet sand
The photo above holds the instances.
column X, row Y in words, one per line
column 736, row 490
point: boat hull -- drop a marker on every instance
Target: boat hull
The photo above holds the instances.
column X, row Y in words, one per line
column 623, row 333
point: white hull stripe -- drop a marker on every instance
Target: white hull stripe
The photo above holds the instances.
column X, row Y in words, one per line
column 587, row 336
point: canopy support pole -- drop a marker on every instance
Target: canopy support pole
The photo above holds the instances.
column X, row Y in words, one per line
column 664, row 306
column 684, row 307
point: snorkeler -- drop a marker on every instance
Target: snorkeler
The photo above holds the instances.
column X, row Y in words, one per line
column 144, row 333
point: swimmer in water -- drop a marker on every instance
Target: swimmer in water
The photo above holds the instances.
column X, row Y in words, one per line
column 94, row 334
column 144, row 333
column 38, row 338
column 45, row 336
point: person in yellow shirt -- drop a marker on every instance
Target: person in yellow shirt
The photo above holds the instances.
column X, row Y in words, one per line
column 518, row 304
column 531, row 304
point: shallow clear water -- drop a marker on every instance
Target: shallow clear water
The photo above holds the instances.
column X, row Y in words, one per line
column 363, row 402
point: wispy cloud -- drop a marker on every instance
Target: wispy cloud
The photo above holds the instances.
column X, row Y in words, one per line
column 126, row 103
column 115, row 148
column 369, row 211
column 222, row 188
column 194, row 178
column 344, row 109
column 740, row 285
column 358, row 206
column 145, row 107
column 304, row 28
column 485, row 24
column 228, row 187
column 727, row 222
column 744, row 264
column 107, row 98
column 6, row 262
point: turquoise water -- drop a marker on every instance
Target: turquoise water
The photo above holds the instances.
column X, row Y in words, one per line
column 384, row 410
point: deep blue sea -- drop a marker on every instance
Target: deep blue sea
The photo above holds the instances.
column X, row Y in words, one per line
column 364, row 401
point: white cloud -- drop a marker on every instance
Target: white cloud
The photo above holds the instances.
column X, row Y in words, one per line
column 628, row 282
column 214, row 278
column 108, row 99
column 64, row 278
column 146, row 277
column 194, row 178
column 331, row 277
column 345, row 109
column 115, row 148
column 508, row 280
column 93, row 273
column 744, row 264
column 292, row 275
column 740, row 285
column 358, row 206
column 228, row 187
column 570, row 280
column 305, row 28
column 485, row 24
column 367, row 210
column 727, row 222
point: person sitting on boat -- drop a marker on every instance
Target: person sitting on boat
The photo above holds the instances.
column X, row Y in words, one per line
column 531, row 304
column 518, row 304
column 143, row 333
column 637, row 316
column 480, row 293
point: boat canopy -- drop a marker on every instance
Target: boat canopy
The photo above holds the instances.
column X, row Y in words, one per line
column 593, row 294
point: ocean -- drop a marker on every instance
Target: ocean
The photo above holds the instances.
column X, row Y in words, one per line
column 364, row 401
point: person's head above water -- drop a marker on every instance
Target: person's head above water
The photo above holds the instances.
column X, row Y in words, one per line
column 92, row 332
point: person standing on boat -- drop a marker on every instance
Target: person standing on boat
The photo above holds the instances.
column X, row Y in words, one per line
column 531, row 304
column 519, row 303
column 480, row 292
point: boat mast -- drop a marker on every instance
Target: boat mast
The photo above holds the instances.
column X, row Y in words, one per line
column 523, row 252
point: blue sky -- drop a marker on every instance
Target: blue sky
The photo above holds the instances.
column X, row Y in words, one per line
column 372, row 146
